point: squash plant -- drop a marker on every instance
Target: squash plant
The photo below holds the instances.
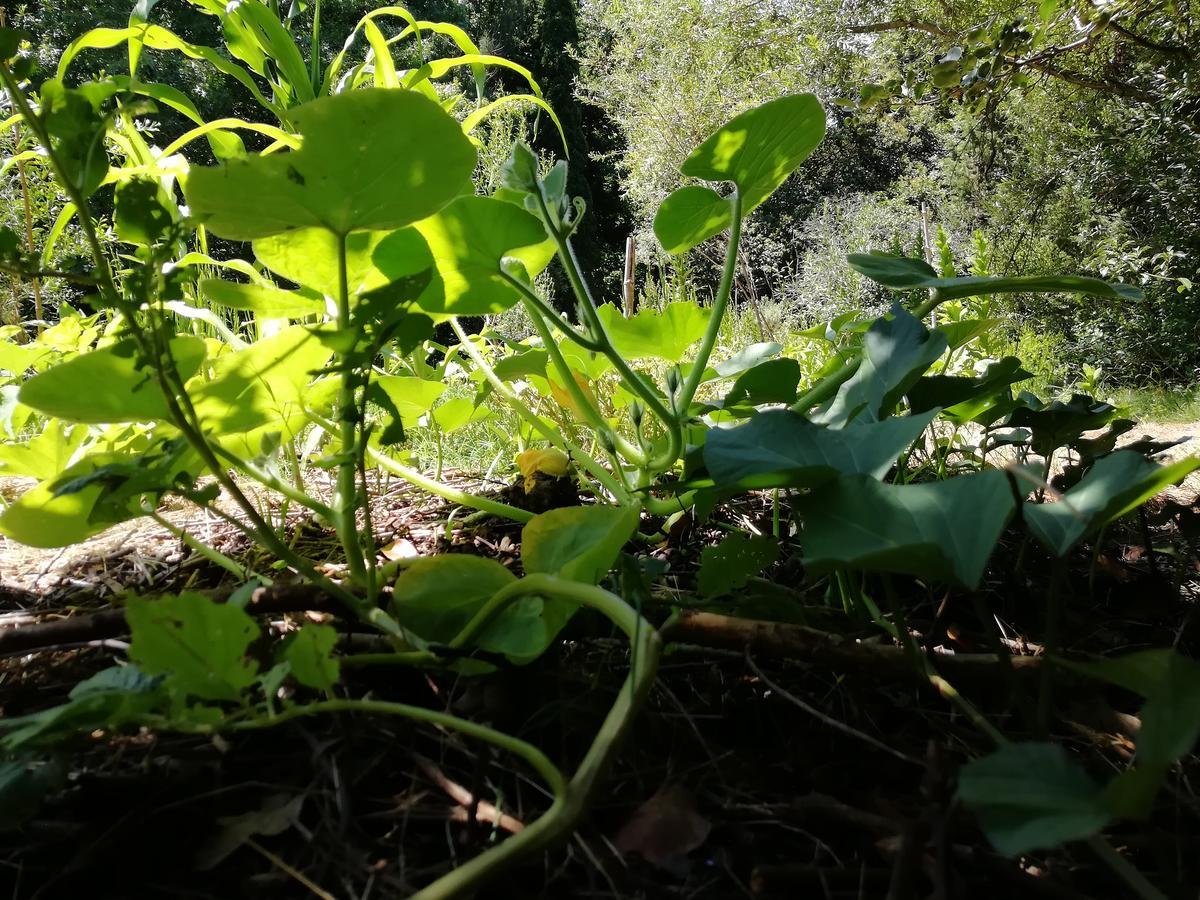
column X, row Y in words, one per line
column 366, row 230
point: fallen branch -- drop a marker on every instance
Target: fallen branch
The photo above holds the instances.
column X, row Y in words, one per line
column 780, row 639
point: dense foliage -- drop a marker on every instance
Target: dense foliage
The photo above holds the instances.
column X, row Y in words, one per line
column 265, row 272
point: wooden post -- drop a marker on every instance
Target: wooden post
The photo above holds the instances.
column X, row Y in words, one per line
column 630, row 263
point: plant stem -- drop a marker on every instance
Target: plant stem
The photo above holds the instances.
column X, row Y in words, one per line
column 345, row 494
column 537, row 760
column 548, row 431
column 720, row 304
column 212, row 554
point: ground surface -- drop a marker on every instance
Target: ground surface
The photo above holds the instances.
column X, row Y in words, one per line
column 751, row 773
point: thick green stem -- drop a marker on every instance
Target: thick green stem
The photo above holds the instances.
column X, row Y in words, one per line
column 557, row 823
column 720, row 304
column 345, row 494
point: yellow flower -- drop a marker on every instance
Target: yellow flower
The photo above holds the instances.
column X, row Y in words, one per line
column 548, row 462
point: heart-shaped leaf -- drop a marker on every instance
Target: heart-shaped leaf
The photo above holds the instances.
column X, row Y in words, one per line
column 690, row 216
column 370, row 159
column 944, row 530
column 1115, row 485
column 779, row 448
column 577, row 542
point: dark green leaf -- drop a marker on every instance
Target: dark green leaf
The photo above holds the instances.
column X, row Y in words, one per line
column 733, row 562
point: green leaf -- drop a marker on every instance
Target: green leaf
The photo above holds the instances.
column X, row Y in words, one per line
column 1059, row 423
column 270, row 302
column 411, row 397
column 77, row 127
column 902, row 274
column 774, row 381
column 24, row 784
column 577, row 542
column 666, row 335
column 310, row 654
column 944, row 530
column 44, row 455
column 198, row 645
column 142, row 211
column 1032, row 796
column 1170, row 682
column 41, row 517
column 961, row 399
column 105, row 385
column 896, row 352
column 374, row 259
column 264, row 384
column 733, row 562
column 437, row 596
column 779, row 448
column 458, row 413
column 1115, row 485
column 372, row 159
column 469, row 239
column 761, row 147
column 690, row 216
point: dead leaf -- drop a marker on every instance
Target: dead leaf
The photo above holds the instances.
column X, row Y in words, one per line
column 665, row 828
column 277, row 814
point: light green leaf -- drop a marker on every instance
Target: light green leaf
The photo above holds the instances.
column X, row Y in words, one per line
column 413, row 397
column 468, row 239
column 266, row 301
column 309, row 652
column 663, row 335
column 761, row 147
column 690, row 216
column 265, row 383
column 1032, row 797
column 105, row 385
column 41, row 518
column 1115, row 485
column 733, row 562
column 45, row 454
column 458, row 413
column 779, row 448
column 577, row 542
column 374, row 259
column 370, row 160
column 198, row 645
column 944, row 530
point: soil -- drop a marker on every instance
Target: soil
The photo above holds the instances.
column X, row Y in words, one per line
column 749, row 774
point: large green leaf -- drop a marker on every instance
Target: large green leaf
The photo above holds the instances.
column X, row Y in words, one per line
column 41, row 517
column 371, row 159
column 106, row 385
column 1115, row 485
column 265, row 383
column 1032, row 797
column 961, row 398
column 198, row 645
column 779, row 448
column 761, row 147
column 374, row 259
column 270, row 302
column 900, row 273
column 773, row 381
column 577, row 542
column 944, row 530
column 653, row 334
column 45, row 454
column 469, row 239
column 437, row 596
column 896, row 352
column 1059, row 423
column 411, row 397
column 689, row 216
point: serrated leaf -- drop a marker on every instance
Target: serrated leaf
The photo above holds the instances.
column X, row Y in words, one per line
column 733, row 562
column 198, row 646
column 309, row 652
